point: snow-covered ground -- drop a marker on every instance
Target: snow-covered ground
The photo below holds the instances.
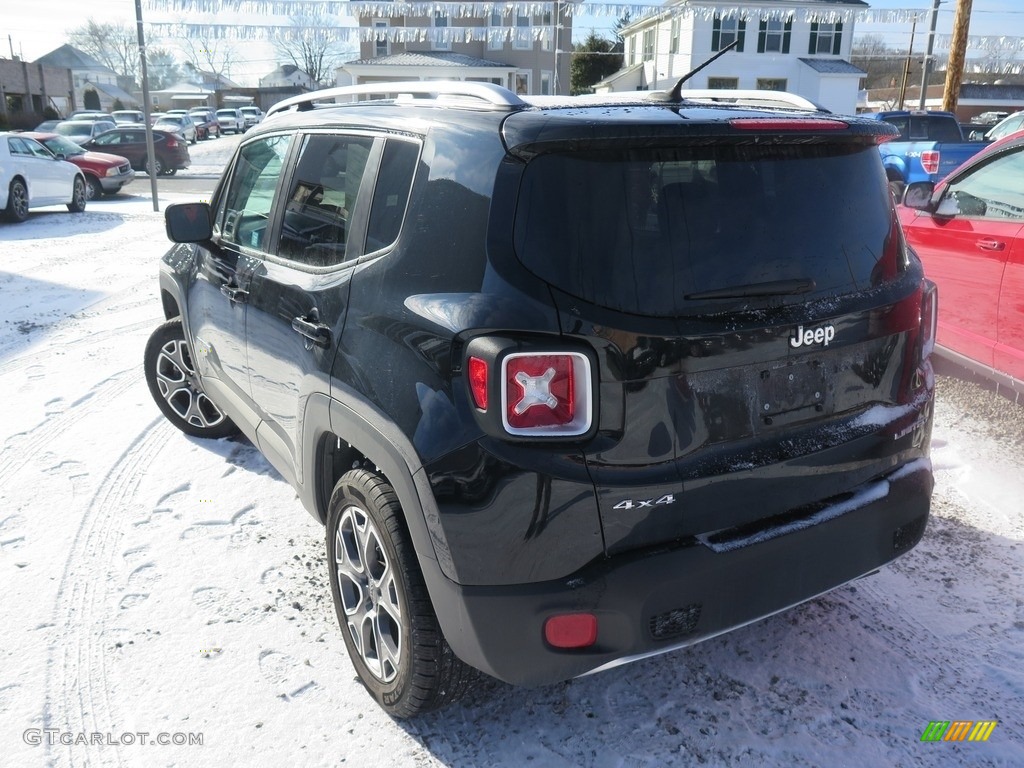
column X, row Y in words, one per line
column 156, row 584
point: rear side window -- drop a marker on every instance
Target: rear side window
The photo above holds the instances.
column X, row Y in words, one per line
column 323, row 196
column 654, row 232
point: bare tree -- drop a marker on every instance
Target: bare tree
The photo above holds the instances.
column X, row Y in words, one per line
column 313, row 46
column 209, row 56
column 113, row 45
column 162, row 67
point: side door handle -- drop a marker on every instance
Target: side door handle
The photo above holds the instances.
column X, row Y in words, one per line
column 991, row 245
column 234, row 293
column 316, row 332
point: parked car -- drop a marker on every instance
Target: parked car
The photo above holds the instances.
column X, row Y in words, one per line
column 81, row 131
column 569, row 384
column 47, row 125
column 231, row 121
column 181, row 124
column 104, row 173
column 207, row 126
column 1009, row 124
column 31, row 176
column 930, row 145
column 129, row 117
column 91, row 114
column 969, row 232
column 170, row 148
column 253, row 115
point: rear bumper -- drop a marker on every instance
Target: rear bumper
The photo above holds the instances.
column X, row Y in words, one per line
column 654, row 601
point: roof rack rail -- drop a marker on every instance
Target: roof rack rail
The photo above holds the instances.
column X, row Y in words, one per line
column 753, row 98
column 493, row 96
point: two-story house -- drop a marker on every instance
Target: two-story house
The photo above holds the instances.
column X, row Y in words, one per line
column 802, row 46
column 94, row 85
column 522, row 46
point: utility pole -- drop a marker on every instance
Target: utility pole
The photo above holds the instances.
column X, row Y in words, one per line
column 906, row 65
column 927, row 68
column 150, row 151
column 957, row 55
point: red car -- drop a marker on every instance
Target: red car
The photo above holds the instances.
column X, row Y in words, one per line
column 969, row 231
column 104, row 174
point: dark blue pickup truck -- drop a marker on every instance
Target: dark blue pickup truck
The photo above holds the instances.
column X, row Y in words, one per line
column 930, row 145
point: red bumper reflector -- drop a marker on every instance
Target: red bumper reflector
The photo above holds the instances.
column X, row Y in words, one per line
column 478, row 382
column 571, row 630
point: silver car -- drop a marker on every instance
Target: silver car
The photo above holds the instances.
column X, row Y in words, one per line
column 181, row 124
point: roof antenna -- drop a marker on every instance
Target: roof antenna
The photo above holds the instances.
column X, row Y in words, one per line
column 675, row 96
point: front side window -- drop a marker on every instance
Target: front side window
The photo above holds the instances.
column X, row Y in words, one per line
column 244, row 214
column 992, row 191
column 322, row 198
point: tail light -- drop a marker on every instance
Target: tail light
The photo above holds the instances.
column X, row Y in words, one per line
column 929, row 318
column 171, row 142
column 545, row 392
column 930, row 161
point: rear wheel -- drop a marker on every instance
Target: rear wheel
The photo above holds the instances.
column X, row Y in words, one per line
column 78, row 196
column 17, row 201
column 154, row 168
column 390, row 629
column 172, row 380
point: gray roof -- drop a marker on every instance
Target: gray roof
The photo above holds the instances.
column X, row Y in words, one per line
column 116, row 93
column 429, row 59
column 71, row 58
column 1012, row 92
column 833, row 67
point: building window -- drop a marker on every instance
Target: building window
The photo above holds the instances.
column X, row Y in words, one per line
column 545, row 83
column 773, row 36
column 724, row 83
column 441, row 25
column 673, row 43
column 522, row 78
column 724, row 31
column 496, row 35
column 546, row 22
column 771, row 83
column 381, row 44
column 648, row 44
column 523, row 40
column 826, row 38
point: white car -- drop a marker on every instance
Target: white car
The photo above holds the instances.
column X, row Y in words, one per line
column 231, row 120
column 253, row 116
column 31, row 176
column 181, row 124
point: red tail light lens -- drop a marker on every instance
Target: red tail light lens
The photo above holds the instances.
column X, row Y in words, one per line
column 546, row 395
column 571, row 630
column 478, row 382
column 172, row 142
column 930, row 161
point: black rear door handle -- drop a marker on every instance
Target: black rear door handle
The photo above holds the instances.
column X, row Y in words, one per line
column 318, row 333
column 234, row 293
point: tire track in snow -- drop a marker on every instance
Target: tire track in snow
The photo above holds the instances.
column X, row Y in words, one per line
column 23, row 448
column 78, row 695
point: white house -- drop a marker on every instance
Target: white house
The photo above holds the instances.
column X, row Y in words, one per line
column 288, row 75
column 95, row 85
column 802, row 46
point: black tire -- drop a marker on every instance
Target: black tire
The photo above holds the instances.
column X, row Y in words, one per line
column 93, row 188
column 78, row 196
column 898, row 188
column 390, row 629
column 169, row 171
column 157, row 166
column 17, row 202
column 172, row 380
column 194, row 138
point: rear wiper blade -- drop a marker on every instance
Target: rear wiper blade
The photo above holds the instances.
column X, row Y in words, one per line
column 773, row 288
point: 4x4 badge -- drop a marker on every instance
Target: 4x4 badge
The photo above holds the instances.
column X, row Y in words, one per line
column 821, row 335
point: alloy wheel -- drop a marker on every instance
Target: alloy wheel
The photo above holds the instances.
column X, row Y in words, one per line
column 176, row 380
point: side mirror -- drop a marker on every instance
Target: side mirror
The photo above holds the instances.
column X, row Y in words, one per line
column 188, row 222
column 919, row 195
column 60, row 156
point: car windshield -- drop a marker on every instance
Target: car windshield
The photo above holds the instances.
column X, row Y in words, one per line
column 74, row 129
column 63, row 146
column 659, row 232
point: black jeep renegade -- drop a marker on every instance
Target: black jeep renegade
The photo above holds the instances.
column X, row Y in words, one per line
column 569, row 382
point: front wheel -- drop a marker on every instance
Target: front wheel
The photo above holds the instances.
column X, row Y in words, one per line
column 78, row 196
column 93, row 189
column 389, row 625
column 172, row 380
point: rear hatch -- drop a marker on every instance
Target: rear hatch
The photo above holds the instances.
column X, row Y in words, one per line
column 743, row 284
